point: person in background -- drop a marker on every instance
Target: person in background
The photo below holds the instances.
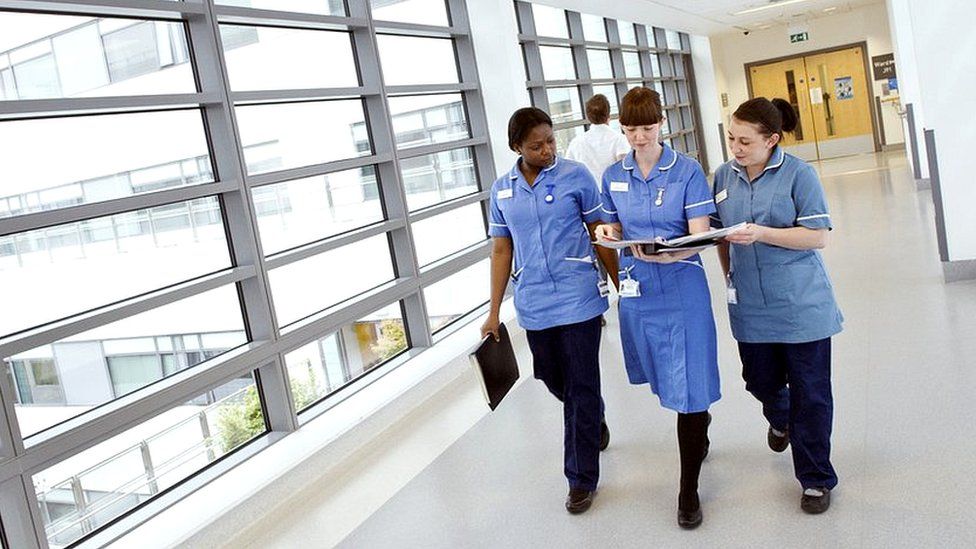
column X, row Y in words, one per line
column 541, row 220
column 667, row 329
column 781, row 302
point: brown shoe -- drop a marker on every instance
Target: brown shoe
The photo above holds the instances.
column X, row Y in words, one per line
column 578, row 500
column 815, row 500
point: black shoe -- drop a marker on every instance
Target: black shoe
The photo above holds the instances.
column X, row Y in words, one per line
column 707, row 442
column 604, row 435
column 777, row 443
column 815, row 504
column 578, row 500
column 689, row 519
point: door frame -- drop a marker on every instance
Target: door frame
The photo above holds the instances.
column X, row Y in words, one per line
column 867, row 75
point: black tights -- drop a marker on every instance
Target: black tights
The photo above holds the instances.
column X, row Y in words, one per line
column 692, row 442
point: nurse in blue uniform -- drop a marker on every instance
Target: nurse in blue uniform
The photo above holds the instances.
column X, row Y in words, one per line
column 781, row 302
column 542, row 216
column 666, row 324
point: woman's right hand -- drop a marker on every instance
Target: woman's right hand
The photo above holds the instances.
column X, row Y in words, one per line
column 490, row 327
column 606, row 232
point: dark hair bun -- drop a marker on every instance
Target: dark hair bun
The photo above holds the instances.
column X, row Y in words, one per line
column 787, row 112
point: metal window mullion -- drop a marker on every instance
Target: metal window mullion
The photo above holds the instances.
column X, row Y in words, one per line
column 580, row 60
column 240, row 15
column 455, row 263
column 389, row 173
column 166, row 9
column 616, row 58
column 23, row 524
column 29, row 108
column 425, row 150
column 305, row 94
column 84, row 212
column 313, row 170
column 449, row 205
column 240, row 219
column 332, row 243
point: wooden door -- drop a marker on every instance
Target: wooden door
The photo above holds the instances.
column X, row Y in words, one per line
column 788, row 80
column 841, row 102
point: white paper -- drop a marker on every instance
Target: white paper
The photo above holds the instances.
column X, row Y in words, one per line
column 816, row 96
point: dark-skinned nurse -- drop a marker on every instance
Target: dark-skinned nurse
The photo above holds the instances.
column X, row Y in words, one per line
column 542, row 216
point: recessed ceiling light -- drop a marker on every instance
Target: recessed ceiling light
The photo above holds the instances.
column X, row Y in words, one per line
column 771, row 5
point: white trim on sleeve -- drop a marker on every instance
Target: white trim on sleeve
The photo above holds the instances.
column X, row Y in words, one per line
column 598, row 206
column 702, row 203
column 818, row 216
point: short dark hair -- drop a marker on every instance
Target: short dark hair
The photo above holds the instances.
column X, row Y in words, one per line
column 598, row 109
column 522, row 122
column 641, row 107
column 776, row 116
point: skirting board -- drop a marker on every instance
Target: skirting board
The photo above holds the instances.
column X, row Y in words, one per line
column 957, row 271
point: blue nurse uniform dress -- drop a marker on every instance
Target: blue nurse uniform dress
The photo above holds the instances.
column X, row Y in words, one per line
column 784, row 312
column 668, row 332
column 559, row 296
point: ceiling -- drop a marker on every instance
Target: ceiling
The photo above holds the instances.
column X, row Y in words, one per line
column 711, row 17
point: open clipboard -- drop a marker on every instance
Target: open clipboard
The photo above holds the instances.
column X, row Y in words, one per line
column 496, row 364
column 696, row 242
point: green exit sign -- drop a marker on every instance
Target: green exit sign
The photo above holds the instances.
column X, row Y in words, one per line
column 799, row 37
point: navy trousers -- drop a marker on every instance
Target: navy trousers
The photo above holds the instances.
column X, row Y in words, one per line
column 567, row 359
column 792, row 381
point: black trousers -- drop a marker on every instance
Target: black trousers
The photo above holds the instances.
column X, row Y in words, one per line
column 792, row 381
column 567, row 359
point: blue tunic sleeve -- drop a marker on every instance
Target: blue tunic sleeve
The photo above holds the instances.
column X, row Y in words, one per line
column 810, row 201
column 698, row 197
column 609, row 208
column 496, row 220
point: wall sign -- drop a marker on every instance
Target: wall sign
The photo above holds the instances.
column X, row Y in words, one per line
column 884, row 66
column 844, row 88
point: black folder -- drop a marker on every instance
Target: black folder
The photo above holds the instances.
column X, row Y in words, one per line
column 495, row 361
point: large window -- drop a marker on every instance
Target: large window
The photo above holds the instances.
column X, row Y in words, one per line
column 617, row 56
column 218, row 217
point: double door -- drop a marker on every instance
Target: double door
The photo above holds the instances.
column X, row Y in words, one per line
column 830, row 93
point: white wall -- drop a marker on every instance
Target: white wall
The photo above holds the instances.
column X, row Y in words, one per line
column 731, row 51
column 944, row 47
column 708, row 98
column 899, row 20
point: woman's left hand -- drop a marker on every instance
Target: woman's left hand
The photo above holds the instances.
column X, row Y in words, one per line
column 663, row 257
column 749, row 234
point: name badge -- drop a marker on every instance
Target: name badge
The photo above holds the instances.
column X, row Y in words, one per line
column 504, row 193
column 619, row 186
column 629, row 288
column 721, row 196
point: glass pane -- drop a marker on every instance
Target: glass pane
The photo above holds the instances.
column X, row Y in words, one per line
column 408, row 60
column 632, row 68
column 655, row 65
column 564, row 104
column 651, row 38
column 550, row 21
column 674, row 41
column 610, row 92
column 659, row 88
column 457, row 295
column 557, row 63
column 99, row 158
column 291, row 135
column 310, row 285
column 422, row 12
column 594, row 28
column 86, row 491
column 564, row 136
column 258, row 66
column 77, row 56
column 80, row 266
column 434, row 178
column 627, row 33
column 428, row 119
column 319, row 7
column 305, row 210
column 466, row 228
column 600, row 65
column 323, row 366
